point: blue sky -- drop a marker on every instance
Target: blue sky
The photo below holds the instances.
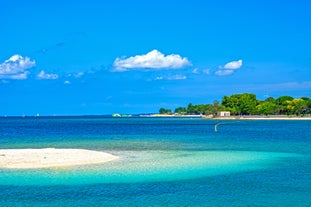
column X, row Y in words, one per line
column 103, row 57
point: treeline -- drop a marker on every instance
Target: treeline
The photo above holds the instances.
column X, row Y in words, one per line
column 248, row 104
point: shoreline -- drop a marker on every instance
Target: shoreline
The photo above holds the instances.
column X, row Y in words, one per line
column 268, row 117
column 51, row 158
column 271, row 117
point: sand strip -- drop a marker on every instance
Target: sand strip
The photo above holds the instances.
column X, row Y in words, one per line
column 263, row 118
column 51, row 158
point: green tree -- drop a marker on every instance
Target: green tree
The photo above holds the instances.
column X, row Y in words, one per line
column 247, row 104
column 270, row 99
column 267, row 108
column 181, row 110
column 297, row 107
column 190, row 109
column 165, row 111
column 282, row 104
column 232, row 104
column 241, row 104
column 216, row 107
column 199, row 109
column 308, row 107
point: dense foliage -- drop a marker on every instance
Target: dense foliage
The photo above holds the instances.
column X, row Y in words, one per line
column 248, row 104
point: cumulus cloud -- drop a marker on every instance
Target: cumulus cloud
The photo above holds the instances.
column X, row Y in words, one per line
column 229, row 68
column 16, row 67
column 67, row 82
column 233, row 65
column 43, row 75
column 152, row 60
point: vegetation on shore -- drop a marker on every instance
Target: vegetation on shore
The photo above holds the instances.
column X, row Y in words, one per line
column 248, row 104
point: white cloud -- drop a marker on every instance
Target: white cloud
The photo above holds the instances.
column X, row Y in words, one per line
column 195, row 71
column 199, row 71
column 229, row 68
column 67, row 82
column 79, row 74
column 223, row 72
column 152, row 60
column 172, row 77
column 18, row 76
column 177, row 77
column 207, row 71
column 43, row 75
column 159, row 78
column 76, row 75
column 233, row 65
column 16, row 67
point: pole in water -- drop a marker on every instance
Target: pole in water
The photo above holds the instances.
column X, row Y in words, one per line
column 215, row 127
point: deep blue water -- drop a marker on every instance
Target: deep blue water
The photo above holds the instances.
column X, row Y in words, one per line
column 164, row 162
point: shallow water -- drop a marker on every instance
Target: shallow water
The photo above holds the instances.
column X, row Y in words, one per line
column 149, row 166
column 163, row 162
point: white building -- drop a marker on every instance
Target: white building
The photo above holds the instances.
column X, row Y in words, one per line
column 223, row 113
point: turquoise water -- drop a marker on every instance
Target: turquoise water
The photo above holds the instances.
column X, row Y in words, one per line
column 163, row 162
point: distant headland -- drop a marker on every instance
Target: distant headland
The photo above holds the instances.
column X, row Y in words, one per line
column 247, row 106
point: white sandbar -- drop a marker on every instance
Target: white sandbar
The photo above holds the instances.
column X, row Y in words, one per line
column 51, row 158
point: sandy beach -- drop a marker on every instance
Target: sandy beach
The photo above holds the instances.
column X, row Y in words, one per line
column 51, row 158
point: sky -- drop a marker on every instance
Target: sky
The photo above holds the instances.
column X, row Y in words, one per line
column 102, row 57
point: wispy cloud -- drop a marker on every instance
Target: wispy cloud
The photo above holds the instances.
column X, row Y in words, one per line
column 76, row 75
column 43, row 75
column 16, row 67
column 207, row 71
column 200, row 71
column 152, row 60
column 159, row 78
column 177, row 77
column 285, row 86
column 223, row 72
column 79, row 75
column 172, row 77
column 196, row 71
column 229, row 68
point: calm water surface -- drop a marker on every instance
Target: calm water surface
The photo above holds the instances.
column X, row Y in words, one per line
column 163, row 162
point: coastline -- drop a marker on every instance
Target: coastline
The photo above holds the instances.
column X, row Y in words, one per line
column 51, row 158
column 271, row 117
column 244, row 117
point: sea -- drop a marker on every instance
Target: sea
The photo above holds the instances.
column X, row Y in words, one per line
column 162, row 162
